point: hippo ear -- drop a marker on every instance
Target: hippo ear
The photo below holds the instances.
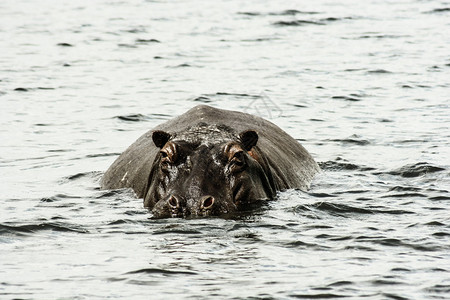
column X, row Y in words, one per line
column 248, row 138
column 160, row 138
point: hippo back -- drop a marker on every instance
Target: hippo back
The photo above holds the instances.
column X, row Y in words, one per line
column 289, row 164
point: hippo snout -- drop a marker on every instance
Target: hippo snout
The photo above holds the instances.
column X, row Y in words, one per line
column 207, row 202
column 206, row 205
column 179, row 207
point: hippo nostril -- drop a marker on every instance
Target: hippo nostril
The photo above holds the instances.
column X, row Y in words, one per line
column 207, row 202
column 173, row 202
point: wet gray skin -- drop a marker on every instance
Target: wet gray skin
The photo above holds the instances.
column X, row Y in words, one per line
column 204, row 177
column 210, row 162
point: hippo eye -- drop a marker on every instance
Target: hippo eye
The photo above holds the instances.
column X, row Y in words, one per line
column 238, row 157
column 237, row 163
column 168, row 154
column 167, row 158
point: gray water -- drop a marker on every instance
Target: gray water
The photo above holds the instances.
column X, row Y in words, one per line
column 363, row 85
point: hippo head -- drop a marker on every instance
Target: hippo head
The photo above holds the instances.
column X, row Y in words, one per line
column 206, row 171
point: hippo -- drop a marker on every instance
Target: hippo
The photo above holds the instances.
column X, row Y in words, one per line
column 210, row 162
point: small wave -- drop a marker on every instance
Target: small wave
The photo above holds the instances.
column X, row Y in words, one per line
column 404, row 188
column 139, row 29
column 337, row 209
column 293, row 12
column 379, row 71
column 402, row 270
column 319, row 227
column 101, row 155
column 340, row 283
column 353, row 70
column 21, row 89
column 393, row 296
column 146, row 41
column 92, row 174
column 55, row 150
column 415, row 170
column 123, row 45
column 439, row 198
column 318, row 296
column 321, row 195
column 156, row 116
column 300, row 244
column 440, row 288
column 17, row 230
column 383, row 120
column 334, row 237
column 202, row 99
column 110, row 193
column 263, row 39
column 249, row 13
column 354, row 139
column 183, row 65
column 439, row 10
column 176, row 231
column 287, row 12
column 58, row 197
column 64, row 45
column 404, row 195
column 340, row 208
column 393, row 242
column 380, row 36
column 342, row 166
column 385, row 282
column 323, row 21
column 441, row 234
column 123, row 221
column 435, row 223
column 49, row 199
column 343, row 209
column 297, row 23
column 237, row 95
column 32, row 228
column 133, row 118
column 346, row 98
column 411, row 141
column 334, row 19
column 161, row 272
column 390, row 211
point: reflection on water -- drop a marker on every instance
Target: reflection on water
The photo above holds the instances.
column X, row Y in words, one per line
column 362, row 85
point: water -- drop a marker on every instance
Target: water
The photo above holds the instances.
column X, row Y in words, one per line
column 363, row 85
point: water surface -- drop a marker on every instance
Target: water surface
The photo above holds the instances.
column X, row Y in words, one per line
column 363, row 85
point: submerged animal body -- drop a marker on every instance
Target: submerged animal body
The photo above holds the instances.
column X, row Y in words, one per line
column 210, row 161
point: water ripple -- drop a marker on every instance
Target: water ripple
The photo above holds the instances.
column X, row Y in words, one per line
column 163, row 272
column 415, row 170
column 33, row 228
column 363, row 85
